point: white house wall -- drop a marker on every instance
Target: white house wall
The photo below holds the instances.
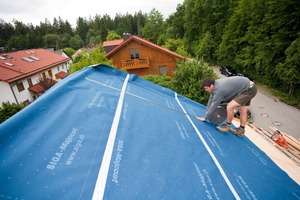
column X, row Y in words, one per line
column 26, row 95
column 6, row 93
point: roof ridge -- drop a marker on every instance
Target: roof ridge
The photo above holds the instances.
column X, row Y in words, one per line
column 133, row 37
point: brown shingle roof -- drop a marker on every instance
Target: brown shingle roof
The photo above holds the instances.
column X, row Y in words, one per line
column 21, row 64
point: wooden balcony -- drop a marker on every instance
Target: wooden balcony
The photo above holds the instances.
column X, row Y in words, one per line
column 136, row 63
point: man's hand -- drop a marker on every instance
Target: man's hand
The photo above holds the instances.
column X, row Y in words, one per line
column 201, row 119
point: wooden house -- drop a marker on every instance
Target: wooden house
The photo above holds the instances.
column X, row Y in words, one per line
column 141, row 57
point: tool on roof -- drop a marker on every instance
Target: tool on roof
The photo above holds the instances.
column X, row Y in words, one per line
column 219, row 115
column 279, row 139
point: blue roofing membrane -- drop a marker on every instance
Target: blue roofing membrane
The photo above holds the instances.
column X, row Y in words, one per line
column 104, row 134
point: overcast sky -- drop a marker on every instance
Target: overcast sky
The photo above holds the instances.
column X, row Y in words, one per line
column 35, row 11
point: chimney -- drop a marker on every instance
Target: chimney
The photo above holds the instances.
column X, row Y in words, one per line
column 126, row 36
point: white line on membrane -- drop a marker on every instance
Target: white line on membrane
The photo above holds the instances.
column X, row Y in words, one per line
column 210, row 153
column 103, row 172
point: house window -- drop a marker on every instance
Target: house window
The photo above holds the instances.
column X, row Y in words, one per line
column 58, row 69
column 44, row 75
column 20, row 87
column 29, row 82
column 162, row 70
column 134, row 54
column 50, row 73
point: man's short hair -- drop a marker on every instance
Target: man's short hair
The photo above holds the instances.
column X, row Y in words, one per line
column 207, row 82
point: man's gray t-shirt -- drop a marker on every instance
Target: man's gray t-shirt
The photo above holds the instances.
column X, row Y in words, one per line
column 225, row 89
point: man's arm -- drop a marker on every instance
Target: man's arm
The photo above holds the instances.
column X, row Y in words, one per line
column 215, row 102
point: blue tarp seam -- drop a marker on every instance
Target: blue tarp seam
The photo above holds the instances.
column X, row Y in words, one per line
column 102, row 177
column 104, row 168
column 210, row 152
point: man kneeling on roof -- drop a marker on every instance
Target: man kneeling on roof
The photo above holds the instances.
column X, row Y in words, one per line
column 236, row 90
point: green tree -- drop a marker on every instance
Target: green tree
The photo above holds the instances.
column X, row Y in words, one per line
column 123, row 23
column 154, row 26
column 51, row 40
column 161, row 39
column 93, row 37
column 234, row 31
column 20, row 28
column 82, row 28
column 9, row 109
column 176, row 45
column 17, row 43
column 45, row 27
column 175, row 23
column 139, row 20
column 289, row 71
column 162, row 80
column 192, row 23
column 34, row 38
column 204, row 16
column 69, row 51
column 65, row 27
column 206, row 48
column 112, row 35
column 64, row 40
column 6, row 30
column 280, row 28
column 76, row 42
column 103, row 24
column 188, row 77
column 246, row 57
column 96, row 56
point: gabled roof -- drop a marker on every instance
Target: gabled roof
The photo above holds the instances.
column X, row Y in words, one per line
column 112, row 42
column 127, row 138
column 21, row 64
column 147, row 43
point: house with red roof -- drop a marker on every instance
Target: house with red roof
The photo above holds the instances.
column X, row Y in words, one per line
column 26, row 74
column 141, row 57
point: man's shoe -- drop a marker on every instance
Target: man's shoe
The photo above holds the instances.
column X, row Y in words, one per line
column 224, row 128
column 239, row 132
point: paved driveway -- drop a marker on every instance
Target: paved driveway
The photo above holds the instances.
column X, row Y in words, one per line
column 268, row 111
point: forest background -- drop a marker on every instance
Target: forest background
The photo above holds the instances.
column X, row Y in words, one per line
column 258, row 38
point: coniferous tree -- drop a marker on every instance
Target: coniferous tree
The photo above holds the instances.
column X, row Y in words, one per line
column 175, row 25
column 153, row 22
column 289, row 70
column 6, row 30
column 234, row 32
column 82, row 28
